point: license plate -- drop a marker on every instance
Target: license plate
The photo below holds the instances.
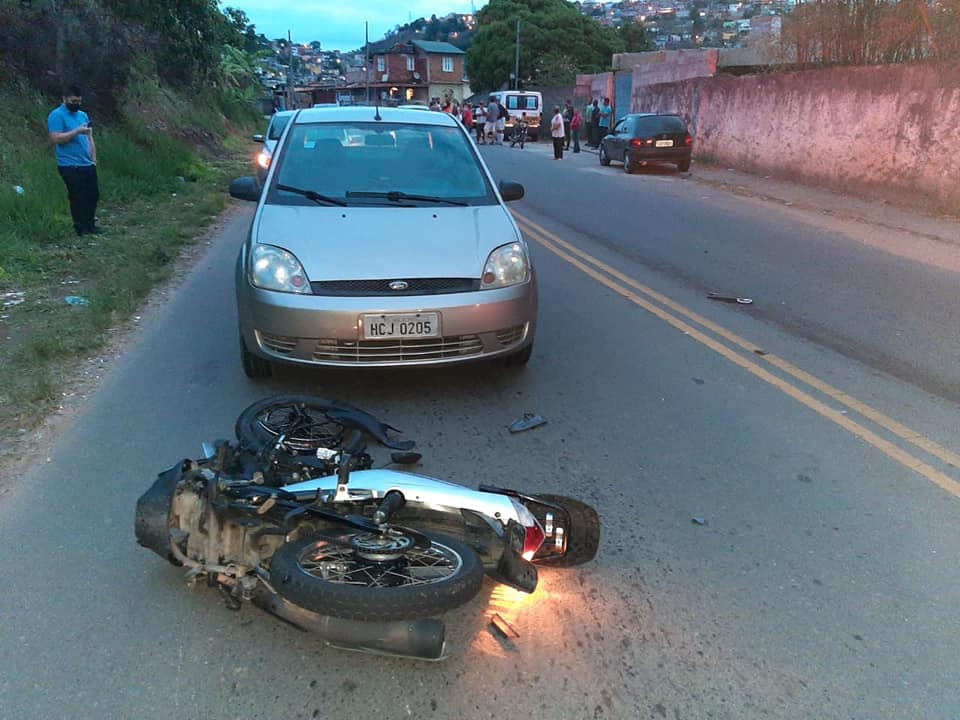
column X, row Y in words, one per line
column 663, row 143
column 392, row 326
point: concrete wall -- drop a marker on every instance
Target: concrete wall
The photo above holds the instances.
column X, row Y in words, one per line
column 886, row 131
column 652, row 68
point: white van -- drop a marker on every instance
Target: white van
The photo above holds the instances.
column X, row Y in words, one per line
column 522, row 103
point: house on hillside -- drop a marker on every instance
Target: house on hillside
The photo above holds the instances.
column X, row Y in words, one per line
column 446, row 67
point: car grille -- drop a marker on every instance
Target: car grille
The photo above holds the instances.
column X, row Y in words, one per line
column 415, row 286
column 398, row 350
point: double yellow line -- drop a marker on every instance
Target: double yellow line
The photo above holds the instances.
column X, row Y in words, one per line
column 673, row 313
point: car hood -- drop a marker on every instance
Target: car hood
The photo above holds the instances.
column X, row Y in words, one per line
column 366, row 243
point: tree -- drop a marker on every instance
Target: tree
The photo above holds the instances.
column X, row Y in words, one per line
column 556, row 42
column 634, row 38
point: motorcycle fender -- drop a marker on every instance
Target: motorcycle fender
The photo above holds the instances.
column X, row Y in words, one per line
column 152, row 525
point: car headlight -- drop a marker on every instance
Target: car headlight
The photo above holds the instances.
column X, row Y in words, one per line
column 263, row 159
column 273, row 268
column 507, row 265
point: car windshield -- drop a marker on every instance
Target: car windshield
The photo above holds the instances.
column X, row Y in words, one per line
column 277, row 125
column 660, row 124
column 371, row 163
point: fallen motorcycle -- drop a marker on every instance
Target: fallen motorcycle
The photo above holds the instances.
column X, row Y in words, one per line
column 294, row 517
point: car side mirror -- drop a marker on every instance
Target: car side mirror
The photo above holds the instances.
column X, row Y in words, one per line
column 245, row 188
column 258, row 138
column 510, row 190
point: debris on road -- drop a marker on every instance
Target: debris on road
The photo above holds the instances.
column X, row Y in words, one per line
column 698, row 520
column 758, row 351
column 12, row 298
column 527, row 422
column 503, row 627
column 730, row 299
column 75, row 300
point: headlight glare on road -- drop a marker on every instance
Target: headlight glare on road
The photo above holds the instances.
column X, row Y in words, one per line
column 507, row 265
column 273, row 268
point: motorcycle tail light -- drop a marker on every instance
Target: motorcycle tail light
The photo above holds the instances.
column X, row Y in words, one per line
column 532, row 542
column 533, row 534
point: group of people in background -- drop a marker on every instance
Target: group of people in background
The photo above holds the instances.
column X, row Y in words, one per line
column 568, row 123
column 568, row 126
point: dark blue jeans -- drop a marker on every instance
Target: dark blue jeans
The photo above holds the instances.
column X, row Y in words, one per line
column 84, row 193
column 576, row 140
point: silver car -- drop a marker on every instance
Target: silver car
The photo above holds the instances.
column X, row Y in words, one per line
column 381, row 240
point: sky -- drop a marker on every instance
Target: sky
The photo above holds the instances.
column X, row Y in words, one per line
column 339, row 24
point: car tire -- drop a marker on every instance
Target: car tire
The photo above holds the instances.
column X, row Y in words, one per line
column 604, row 158
column 683, row 165
column 519, row 358
column 254, row 366
column 627, row 164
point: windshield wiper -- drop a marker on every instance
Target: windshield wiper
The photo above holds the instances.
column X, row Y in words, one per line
column 311, row 195
column 396, row 196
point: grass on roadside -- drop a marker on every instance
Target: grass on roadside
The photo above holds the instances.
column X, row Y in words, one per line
column 156, row 198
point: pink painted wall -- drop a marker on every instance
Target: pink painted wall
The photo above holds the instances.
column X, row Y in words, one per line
column 886, row 131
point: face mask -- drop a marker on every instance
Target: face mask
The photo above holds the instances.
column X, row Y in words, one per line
column 73, row 107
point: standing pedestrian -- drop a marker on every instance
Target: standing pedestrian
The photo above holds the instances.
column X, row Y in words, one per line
column 606, row 115
column 557, row 133
column 466, row 117
column 72, row 135
column 502, row 116
column 493, row 113
column 576, row 122
column 567, row 117
column 479, row 120
column 595, row 124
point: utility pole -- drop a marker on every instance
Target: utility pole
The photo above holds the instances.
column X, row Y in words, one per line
column 366, row 57
column 290, row 93
column 516, row 61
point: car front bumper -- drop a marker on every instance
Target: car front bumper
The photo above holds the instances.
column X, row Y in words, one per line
column 326, row 330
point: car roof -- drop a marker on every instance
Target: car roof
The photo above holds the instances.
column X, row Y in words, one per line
column 282, row 113
column 652, row 115
column 368, row 113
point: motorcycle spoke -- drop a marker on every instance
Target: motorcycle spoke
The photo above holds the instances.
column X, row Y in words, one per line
column 338, row 564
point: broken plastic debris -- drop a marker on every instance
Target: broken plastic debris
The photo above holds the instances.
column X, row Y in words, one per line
column 75, row 300
column 18, row 189
column 699, row 520
column 730, row 298
column 503, row 627
column 527, row 422
column 13, row 298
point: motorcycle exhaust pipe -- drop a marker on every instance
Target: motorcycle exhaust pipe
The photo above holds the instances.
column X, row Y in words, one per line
column 419, row 639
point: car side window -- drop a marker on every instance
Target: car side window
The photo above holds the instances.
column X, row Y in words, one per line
column 620, row 127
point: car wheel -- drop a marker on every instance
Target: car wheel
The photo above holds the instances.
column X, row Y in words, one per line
column 254, row 366
column 521, row 357
column 683, row 165
column 627, row 164
column 604, row 158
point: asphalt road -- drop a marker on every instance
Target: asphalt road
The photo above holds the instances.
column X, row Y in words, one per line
column 822, row 584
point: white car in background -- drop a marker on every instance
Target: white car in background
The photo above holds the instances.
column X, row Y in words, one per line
column 278, row 121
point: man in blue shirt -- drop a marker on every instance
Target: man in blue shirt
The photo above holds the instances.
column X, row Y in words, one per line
column 606, row 113
column 72, row 136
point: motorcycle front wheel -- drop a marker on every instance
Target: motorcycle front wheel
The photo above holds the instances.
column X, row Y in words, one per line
column 301, row 419
column 374, row 576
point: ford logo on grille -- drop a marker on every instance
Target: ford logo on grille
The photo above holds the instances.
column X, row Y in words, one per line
column 399, row 285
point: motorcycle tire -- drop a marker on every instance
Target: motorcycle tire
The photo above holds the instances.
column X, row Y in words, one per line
column 358, row 588
column 583, row 535
column 261, row 423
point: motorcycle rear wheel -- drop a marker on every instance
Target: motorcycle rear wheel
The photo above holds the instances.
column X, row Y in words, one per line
column 364, row 576
column 583, row 535
column 302, row 418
